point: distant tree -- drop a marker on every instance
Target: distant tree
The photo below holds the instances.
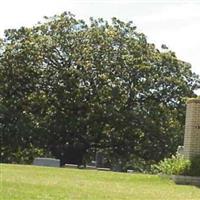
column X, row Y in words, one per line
column 72, row 89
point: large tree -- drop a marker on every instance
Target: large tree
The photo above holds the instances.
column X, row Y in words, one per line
column 72, row 89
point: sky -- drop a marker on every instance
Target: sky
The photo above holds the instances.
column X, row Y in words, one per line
column 175, row 23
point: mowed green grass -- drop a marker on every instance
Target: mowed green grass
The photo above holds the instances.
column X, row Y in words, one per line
column 21, row 182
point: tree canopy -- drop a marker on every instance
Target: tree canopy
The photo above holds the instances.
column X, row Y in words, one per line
column 70, row 89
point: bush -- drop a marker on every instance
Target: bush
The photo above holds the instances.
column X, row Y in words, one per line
column 138, row 165
column 176, row 165
column 22, row 156
column 195, row 167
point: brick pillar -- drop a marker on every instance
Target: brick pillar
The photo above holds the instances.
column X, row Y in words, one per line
column 192, row 129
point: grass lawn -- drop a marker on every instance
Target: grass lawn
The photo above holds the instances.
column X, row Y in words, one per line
column 21, row 182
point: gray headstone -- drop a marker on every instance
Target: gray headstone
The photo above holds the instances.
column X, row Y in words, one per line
column 49, row 162
column 99, row 159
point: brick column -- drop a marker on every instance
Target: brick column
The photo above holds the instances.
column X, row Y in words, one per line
column 192, row 129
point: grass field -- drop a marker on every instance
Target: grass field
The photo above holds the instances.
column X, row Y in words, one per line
column 20, row 182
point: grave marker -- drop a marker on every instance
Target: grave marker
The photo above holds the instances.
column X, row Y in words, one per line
column 49, row 162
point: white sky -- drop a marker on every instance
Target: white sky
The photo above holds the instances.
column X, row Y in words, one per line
column 175, row 23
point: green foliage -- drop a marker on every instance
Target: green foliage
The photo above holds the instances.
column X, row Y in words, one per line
column 195, row 167
column 22, row 156
column 176, row 165
column 137, row 164
column 72, row 89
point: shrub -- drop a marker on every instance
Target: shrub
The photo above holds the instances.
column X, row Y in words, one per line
column 176, row 165
column 22, row 156
column 195, row 167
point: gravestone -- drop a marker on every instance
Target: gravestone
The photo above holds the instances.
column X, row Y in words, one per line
column 192, row 129
column 49, row 162
column 99, row 159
